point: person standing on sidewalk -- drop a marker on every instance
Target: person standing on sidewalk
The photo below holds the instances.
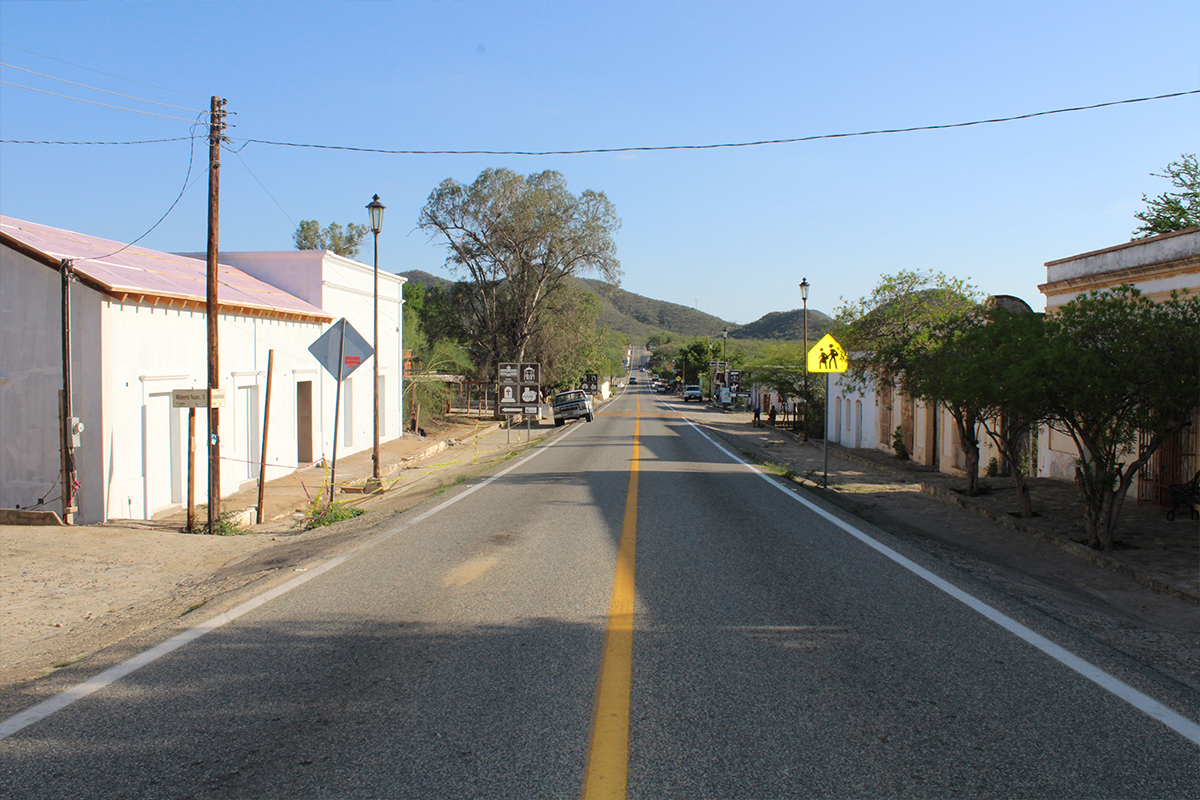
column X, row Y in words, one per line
column 771, row 416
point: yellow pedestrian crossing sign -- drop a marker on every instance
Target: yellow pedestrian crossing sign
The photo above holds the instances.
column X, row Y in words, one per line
column 827, row 356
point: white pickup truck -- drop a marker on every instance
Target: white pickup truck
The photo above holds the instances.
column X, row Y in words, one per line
column 574, row 404
column 692, row 393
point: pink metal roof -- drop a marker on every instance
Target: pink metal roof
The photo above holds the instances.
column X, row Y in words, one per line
column 151, row 275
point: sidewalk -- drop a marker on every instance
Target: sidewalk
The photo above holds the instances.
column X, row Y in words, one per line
column 1157, row 553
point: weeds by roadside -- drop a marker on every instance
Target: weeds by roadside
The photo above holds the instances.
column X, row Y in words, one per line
column 227, row 524
column 321, row 512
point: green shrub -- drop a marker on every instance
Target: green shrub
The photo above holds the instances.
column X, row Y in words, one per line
column 898, row 444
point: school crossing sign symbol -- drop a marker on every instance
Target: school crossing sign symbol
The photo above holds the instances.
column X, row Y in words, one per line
column 827, row 356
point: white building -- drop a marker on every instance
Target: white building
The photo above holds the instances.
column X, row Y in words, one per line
column 1156, row 266
column 138, row 330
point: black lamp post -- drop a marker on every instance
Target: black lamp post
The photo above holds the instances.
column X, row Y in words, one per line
column 375, row 209
column 804, row 297
column 724, row 358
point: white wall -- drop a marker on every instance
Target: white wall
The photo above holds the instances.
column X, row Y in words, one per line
column 343, row 287
column 850, row 415
column 126, row 359
column 30, row 379
column 149, row 351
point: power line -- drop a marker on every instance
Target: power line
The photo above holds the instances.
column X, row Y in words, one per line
column 99, row 72
column 93, row 102
column 106, row 91
column 145, row 141
column 723, row 145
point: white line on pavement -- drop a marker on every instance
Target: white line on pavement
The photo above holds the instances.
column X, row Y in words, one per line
column 60, row 701
column 1148, row 705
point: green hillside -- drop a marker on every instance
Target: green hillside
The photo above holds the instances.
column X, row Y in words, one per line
column 786, row 325
column 640, row 317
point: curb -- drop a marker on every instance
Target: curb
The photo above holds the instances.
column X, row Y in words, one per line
column 1103, row 560
column 1149, row 579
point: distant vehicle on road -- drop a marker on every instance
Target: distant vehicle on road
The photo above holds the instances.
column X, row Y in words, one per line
column 575, row 404
column 632, row 381
column 692, row 393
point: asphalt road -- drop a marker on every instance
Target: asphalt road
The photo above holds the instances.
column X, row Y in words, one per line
column 534, row 634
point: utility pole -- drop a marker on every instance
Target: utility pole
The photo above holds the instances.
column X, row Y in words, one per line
column 216, row 127
column 66, row 431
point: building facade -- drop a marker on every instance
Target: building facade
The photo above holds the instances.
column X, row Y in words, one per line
column 137, row 330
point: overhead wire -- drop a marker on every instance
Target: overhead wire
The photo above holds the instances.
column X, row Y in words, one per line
column 94, row 103
column 630, row 149
column 186, row 186
column 105, row 91
column 99, row 72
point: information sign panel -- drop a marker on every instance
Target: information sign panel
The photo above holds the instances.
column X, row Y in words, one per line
column 520, row 388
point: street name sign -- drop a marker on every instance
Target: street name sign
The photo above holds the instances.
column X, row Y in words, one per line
column 197, row 398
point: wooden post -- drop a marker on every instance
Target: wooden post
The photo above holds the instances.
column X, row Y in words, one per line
column 262, row 454
column 337, row 407
column 68, row 450
column 191, row 490
column 216, row 127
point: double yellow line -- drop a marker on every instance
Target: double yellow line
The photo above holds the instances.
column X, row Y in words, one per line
column 608, row 751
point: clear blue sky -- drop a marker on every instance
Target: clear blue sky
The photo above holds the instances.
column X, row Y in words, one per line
column 730, row 231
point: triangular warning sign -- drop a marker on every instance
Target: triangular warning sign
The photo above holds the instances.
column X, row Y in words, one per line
column 827, row 356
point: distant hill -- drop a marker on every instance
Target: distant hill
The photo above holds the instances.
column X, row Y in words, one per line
column 426, row 279
column 787, row 325
column 640, row 317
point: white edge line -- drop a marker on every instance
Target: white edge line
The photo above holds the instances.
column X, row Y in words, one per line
column 1144, row 703
column 111, row 675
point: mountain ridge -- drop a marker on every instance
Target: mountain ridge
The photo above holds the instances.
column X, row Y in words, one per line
column 640, row 317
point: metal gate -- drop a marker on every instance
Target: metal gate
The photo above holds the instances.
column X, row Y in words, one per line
column 1174, row 462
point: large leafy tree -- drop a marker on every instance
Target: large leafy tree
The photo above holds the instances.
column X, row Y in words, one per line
column 996, row 368
column 346, row 241
column 1122, row 364
column 1173, row 211
column 903, row 333
column 516, row 239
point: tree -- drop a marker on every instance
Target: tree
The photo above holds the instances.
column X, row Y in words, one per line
column 1122, row 365
column 566, row 341
column 997, row 368
column 345, row 242
column 1173, row 211
column 518, row 238
column 900, row 334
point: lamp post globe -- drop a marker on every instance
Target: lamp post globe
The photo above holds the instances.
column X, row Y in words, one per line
column 375, row 211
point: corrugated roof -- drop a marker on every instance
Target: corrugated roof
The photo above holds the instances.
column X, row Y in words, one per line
column 144, row 275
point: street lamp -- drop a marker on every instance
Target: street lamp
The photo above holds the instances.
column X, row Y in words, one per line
column 724, row 361
column 804, row 297
column 375, row 209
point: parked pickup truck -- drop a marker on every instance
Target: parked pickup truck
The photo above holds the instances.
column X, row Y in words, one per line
column 574, row 404
column 692, row 393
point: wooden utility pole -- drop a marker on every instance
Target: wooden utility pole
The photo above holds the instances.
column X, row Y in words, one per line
column 262, row 453
column 216, row 127
column 65, row 427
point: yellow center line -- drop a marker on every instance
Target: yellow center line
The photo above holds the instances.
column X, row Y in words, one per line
column 608, row 751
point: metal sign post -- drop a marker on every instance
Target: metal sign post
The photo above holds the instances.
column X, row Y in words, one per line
column 827, row 356
column 340, row 350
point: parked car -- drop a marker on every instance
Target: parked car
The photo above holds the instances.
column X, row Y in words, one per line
column 692, row 393
column 574, row 404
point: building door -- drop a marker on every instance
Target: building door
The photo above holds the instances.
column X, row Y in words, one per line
column 249, row 431
column 161, row 454
column 304, row 423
